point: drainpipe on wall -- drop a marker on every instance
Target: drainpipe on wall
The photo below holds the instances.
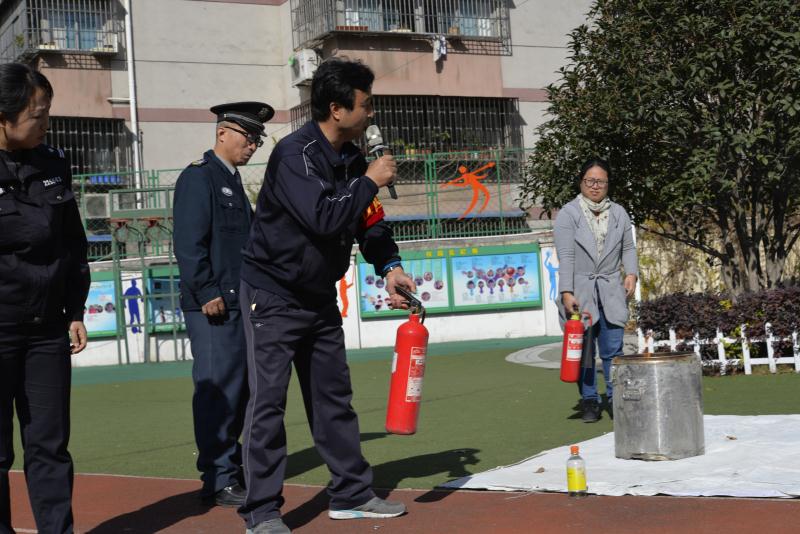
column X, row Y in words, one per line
column 137, row 142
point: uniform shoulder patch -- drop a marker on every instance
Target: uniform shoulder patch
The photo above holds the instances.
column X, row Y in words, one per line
column 53, row 152
column 198, row 163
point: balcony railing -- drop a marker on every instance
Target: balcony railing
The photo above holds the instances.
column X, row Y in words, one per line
column 482, row 25
column 421, row 124
column 75, row 26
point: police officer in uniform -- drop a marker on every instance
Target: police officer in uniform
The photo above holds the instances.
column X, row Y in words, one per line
column 212, row 218
column 44, row 282
column 318, row 198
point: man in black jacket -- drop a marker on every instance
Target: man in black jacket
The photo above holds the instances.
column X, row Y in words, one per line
column 212, row 217
column 318, row 196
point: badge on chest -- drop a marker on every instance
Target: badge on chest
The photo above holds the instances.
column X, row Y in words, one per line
column 52, row 182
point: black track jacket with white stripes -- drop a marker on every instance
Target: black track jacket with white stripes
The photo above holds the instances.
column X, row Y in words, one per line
column 312, row 205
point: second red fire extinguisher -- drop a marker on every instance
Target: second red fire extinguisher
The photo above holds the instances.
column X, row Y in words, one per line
column 408, row 370
column 572, row 349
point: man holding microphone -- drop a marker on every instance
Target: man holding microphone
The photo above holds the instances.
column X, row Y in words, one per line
column 318, row 197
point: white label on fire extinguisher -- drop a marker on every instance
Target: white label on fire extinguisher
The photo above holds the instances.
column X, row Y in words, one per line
column 574, row 347
column 416, row 371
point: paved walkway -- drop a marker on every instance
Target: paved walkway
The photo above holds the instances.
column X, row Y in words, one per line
column 549, row 356
column 546, row 356
column 133, row 505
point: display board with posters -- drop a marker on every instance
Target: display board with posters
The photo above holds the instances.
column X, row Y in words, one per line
column 460, row 279
column 430, row 274
column 497, row 277
column 100, row 311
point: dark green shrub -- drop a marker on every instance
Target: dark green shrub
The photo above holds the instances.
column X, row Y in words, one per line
column 703, row 313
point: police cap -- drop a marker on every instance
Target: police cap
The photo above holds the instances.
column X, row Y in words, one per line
column 249, row 115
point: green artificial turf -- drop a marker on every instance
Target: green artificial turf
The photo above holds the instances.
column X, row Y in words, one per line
column 478, row 412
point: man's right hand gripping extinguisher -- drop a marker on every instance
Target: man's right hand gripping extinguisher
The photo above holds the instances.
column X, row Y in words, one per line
column 408, row 370
column 572, row 349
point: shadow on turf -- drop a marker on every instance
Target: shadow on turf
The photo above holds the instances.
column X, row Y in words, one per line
column 167, row 512
column 305, row 460
column 387, row 476
column 155, row 517
column 604, row 407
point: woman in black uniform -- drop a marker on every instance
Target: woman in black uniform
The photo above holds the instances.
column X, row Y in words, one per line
column 44, row 281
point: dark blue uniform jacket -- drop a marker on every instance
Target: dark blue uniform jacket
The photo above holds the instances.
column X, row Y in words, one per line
column 212, row 217
column 309, row 211
column 44, row 272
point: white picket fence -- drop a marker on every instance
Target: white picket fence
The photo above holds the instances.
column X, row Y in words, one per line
column 646, row 341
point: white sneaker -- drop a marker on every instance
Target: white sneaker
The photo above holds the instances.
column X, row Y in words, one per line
column 373, row 508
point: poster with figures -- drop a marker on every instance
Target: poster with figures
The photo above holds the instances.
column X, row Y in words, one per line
column 100, row 313
column 551, row 264
column 133, row 302
column 497, row 280
column 348, row 307
column 552, row 298
column 430, row 275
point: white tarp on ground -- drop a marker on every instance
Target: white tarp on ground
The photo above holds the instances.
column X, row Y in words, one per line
column 746, row 456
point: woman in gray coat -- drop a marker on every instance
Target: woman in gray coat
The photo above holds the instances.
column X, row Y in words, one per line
column 594, row 239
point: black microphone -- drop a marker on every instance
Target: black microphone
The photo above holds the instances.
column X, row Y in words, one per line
column 376, row 146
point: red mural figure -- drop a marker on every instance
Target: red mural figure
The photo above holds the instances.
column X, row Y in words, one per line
column 472, row 179
column 343, row 287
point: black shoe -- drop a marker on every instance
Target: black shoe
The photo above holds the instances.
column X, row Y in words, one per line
column 610, row 409
column 591, row 411
column 232, row 495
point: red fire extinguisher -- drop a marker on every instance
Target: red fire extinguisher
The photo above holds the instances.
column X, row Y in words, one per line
column 408, row 370
column 572, row 348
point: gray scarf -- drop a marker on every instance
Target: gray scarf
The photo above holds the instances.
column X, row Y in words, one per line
column 596, row 214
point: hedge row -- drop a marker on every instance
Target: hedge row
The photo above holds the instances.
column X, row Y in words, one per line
column 704, row 313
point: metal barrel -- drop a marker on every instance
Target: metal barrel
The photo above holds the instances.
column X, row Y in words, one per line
column 658, row 406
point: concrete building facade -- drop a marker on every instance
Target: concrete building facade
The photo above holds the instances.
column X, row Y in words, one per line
column 188, row 55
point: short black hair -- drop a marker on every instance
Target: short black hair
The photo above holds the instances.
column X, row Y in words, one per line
column 594, row 162
column 18, row 82
column 336, row 80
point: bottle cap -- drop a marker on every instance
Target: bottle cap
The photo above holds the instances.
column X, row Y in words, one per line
column 573, row 450
column 575, row 316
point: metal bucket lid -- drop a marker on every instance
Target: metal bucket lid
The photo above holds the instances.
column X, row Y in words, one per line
column 653, row 357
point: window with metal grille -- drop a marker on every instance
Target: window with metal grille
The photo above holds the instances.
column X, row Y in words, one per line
column 93, row 145
column 423, row 123
column 481, row 26
column 28, row 27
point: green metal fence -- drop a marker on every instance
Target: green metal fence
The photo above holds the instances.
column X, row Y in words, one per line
column 441, row 195
column 457, row 194
column 97, row 198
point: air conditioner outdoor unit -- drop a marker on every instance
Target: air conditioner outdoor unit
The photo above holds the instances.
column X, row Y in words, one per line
column 107, row 44
column 96, row 206
column 303, row 64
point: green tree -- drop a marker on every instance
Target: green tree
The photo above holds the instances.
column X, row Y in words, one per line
column 696, row 105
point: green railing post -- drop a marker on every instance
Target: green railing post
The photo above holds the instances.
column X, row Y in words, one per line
column 120, row 299
column 497, row 164
column 153, row 178
column 431, row 183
